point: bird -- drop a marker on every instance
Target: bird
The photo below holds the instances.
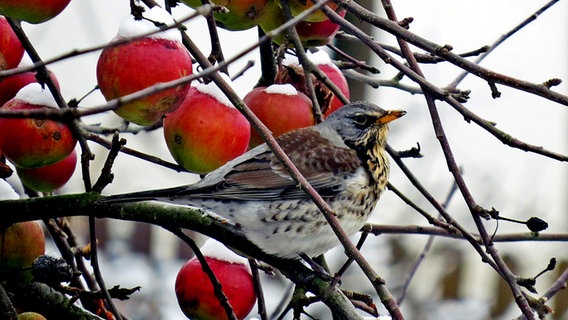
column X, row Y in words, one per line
column 344, row 160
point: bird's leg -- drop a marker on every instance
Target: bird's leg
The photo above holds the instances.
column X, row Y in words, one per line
column 321, row 269
column 314, row 265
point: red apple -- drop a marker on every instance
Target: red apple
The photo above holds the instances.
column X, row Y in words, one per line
column 281, row 108
column 11, row 50
column 21, row 244
column 51, row 177
column 32, row 143
column 298, row 6
column 205, row 131
column 30, row 316
column 240, row 15
column 314, row 34
column 195, row 294
column 32, row 11
column 140, row 64
column 293, row 73
column 9, row 86
column 311, row 33
column 337, row 77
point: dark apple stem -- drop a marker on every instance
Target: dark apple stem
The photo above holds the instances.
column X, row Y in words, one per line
column 106, row 176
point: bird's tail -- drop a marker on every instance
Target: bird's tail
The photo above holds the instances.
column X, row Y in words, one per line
column 159, row 194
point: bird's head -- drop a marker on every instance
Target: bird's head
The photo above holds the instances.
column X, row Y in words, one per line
column 362, row 125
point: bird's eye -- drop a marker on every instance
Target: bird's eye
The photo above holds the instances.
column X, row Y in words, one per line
column 361, row 120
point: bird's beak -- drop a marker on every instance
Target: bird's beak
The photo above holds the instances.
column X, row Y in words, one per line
column 390, row 116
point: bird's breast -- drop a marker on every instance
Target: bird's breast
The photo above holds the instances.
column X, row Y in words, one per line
column 361, row 194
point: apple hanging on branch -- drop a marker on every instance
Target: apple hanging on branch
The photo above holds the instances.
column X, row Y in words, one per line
column 311, row 33
column 290, row 71
column 238, row 15
column 11, row 50
column 32, row 11
column 281, row 108
column 206, row 131
column 142, row 63
column 50, row 177
column 33, row 143
column 298, row 6
column 194, row 289
column 10, row 85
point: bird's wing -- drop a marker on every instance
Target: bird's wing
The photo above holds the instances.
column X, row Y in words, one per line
column 263, row 177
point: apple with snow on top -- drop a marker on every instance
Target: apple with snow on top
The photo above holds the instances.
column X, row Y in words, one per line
column 20, row 244
column 206, row 131
column 142, row 63
column 33, row 143
column 311, row 34
column 292, row 72
column 32, row 11
column 50, row 177
column 281, row 108
column 11, row 50
column 194, row 290
column 10, row 85
column 324, row 63
column 240, row 15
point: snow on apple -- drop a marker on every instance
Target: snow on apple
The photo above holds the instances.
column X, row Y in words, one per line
column 281, row 108
column 142, row 63
column 206, row 131
column 194, row 289
column 32, row 143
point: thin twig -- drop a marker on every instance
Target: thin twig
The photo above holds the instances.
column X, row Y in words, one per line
column 8, row 311
column 424, row 251
column 200, row 11
column 107, row 176
column 502, row 39
column 539, row 89
column 292, row 34
column 97, row 270
column 146, row 157
column 217, row 287
column 434, row 90
column 474, row 208
column 260, row 301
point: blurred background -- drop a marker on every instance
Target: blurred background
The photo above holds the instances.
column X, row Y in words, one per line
column 451, row 282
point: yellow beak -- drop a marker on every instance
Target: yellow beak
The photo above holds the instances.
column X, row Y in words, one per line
column 390, row 116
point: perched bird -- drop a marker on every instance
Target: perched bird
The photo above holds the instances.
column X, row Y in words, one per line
column 343, row 158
